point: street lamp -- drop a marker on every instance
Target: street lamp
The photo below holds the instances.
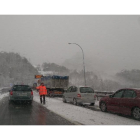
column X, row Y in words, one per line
column 83, row 61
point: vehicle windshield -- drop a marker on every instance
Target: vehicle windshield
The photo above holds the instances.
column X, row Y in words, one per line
column 21, row 88
column 86, row 90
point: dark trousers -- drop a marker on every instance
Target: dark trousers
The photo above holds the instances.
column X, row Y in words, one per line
column 43, row 99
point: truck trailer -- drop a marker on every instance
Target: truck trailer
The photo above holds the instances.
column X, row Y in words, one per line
column 55, row 84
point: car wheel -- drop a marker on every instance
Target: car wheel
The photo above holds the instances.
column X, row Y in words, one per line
column 136, row 113
column 64, row 99
column 103, row 107
column 74, row 101
column 92, row 104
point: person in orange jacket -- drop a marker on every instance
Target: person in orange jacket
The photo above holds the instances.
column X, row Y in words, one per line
column 42, row 92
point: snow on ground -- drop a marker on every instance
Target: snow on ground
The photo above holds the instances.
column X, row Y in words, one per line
column 80, row 115
column 3, row 95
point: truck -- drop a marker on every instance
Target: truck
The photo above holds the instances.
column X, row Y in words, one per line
column 56, row 85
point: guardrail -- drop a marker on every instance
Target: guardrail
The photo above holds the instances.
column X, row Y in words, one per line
column 4, row 90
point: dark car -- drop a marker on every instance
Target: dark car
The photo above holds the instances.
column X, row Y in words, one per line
column 21, row 93
column 124, row 101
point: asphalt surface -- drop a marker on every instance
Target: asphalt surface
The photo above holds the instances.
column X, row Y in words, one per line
column 17, row 113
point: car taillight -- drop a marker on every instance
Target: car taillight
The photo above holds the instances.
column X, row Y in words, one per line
column 78, row 95
column 94, row 96
column 11, row 92
column 31, row 92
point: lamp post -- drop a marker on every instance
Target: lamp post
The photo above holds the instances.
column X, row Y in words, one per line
column 83, row 61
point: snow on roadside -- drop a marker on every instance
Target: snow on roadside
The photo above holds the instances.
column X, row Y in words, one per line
column 3, row 95
column 80, row 115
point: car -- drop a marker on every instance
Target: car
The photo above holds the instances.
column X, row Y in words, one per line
column 79, row 95
column 124, row 101
column 21, row 93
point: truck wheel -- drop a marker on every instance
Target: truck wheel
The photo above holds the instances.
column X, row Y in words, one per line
column 92, row 104
column 52, row 95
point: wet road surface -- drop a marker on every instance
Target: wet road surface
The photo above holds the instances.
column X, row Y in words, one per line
column 17, row 113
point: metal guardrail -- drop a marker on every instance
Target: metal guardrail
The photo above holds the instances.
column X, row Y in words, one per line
column 4, row 90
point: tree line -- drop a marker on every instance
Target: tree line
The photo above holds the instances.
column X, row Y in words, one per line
column 123, row 79
column 15, row 69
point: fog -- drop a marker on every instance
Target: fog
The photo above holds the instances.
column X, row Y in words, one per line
column 110, row 42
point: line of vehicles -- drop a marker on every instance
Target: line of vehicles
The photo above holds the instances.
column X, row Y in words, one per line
column 124, row 101
column 55, row 86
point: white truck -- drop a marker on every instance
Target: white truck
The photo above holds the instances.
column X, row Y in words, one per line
column 55, row 84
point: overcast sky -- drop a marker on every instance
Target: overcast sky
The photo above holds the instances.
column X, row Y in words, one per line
column 109, row 42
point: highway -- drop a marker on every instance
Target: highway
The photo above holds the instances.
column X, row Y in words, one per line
column 17, row 113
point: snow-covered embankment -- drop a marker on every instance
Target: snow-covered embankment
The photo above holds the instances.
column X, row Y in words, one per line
column 3, row 95
column 80, row 115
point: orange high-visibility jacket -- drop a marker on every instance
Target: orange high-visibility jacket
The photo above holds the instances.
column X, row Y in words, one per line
column 42, row 90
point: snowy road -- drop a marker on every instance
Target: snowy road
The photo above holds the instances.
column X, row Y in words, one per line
column 61, row 113
column 80, row 115
column 26, row 114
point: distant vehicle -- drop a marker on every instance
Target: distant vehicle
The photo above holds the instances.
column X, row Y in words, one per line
column 21, row 93
column 79, row 95
column 124, row 101
column 55, row 84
